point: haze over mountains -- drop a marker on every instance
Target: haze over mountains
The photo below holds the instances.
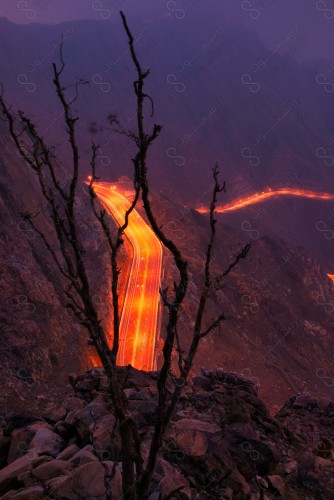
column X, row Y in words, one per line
column 219, row 93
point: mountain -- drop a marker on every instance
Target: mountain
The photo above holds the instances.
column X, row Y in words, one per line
column 272, row 130
column 219, row 94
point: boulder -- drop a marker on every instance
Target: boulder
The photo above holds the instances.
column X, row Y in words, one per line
column 277, row 483
column 52, row 469
column 190, row 435
column 171, row 480
column 46, row 442
column 88, row 481
column 9, row 475
column 103, row 440
column 21, row 439
column 84, row 456
column 84, row 418
column 290, row 467
column 68, row 452
column 238, row 484
column 55, row 413
column 32, row 493
column 323, row 463
column 4, row 449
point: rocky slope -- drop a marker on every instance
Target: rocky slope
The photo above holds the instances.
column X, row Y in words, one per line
column 278, row 303
column 221, row 444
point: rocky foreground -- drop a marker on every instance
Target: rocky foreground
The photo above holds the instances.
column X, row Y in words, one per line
column 221, row 444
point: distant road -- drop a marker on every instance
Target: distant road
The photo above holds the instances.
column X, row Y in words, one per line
column 139, row 319
column 265, row 195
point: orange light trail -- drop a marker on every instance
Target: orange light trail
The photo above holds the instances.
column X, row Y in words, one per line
column 140, row 313
column 331, row 277
column 264, row 195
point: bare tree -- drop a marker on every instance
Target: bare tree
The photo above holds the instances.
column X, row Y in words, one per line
column 71, row 264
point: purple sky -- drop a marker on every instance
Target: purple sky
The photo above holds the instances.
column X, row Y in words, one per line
column 270, row 18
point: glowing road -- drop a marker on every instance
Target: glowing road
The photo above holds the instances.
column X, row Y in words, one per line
column 139, row 319
column 264, row 195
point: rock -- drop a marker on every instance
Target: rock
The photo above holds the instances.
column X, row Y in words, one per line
column 193, row 443
column 64, row 429
column 155, row 496
column 56, row 413
column 306, row 465
column 47, row 442
column 301, row 401
column 278, row 483
column 9, row 475
column 32, row 493
column 87, row 384
column 40, row 460
column 203, row 382
column 22, row 437
column 323, row 463
column 4, row 449
column 262, row 482
column 171, row 480
column 84, row 456
column 52, row 469
column 84, row 418
column 227, row 493
column 68, row 452
column 196, row 425
column 257, row 496
column 16, row 421
column 219, row 372
column 241, row 430
column 190, row 435
column 103, row 440
column 238, row 484
column 290, row 467
column 87, row 481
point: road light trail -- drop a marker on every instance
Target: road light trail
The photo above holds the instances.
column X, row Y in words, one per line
column 139, row 319
column 264, row 195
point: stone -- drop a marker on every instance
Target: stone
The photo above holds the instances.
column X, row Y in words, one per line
column 87, row 384
column 290, row 467
column 9, row 475
column 196, row 425
column 323, row 463
column 5, row 442
column 87, row 481
column 190, row 435
column 46, row 442
column 84, row 456
column 68, row 452
column 84, row 418
column 155, row 496
column 192, row 443
column 242, row 430
column 262, row 482
column 301, row 401
column 238, row 484
column 278, row 483
column 102, row 438
column 203, row 382
column 52, row 469
column 39, row 460
column 227, row 493
column 64, row 429
column 171, row 480
column 22, row 437
column 32, row 493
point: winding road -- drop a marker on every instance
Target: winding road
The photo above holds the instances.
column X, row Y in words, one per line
column 140, row 315
column 265, row 195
